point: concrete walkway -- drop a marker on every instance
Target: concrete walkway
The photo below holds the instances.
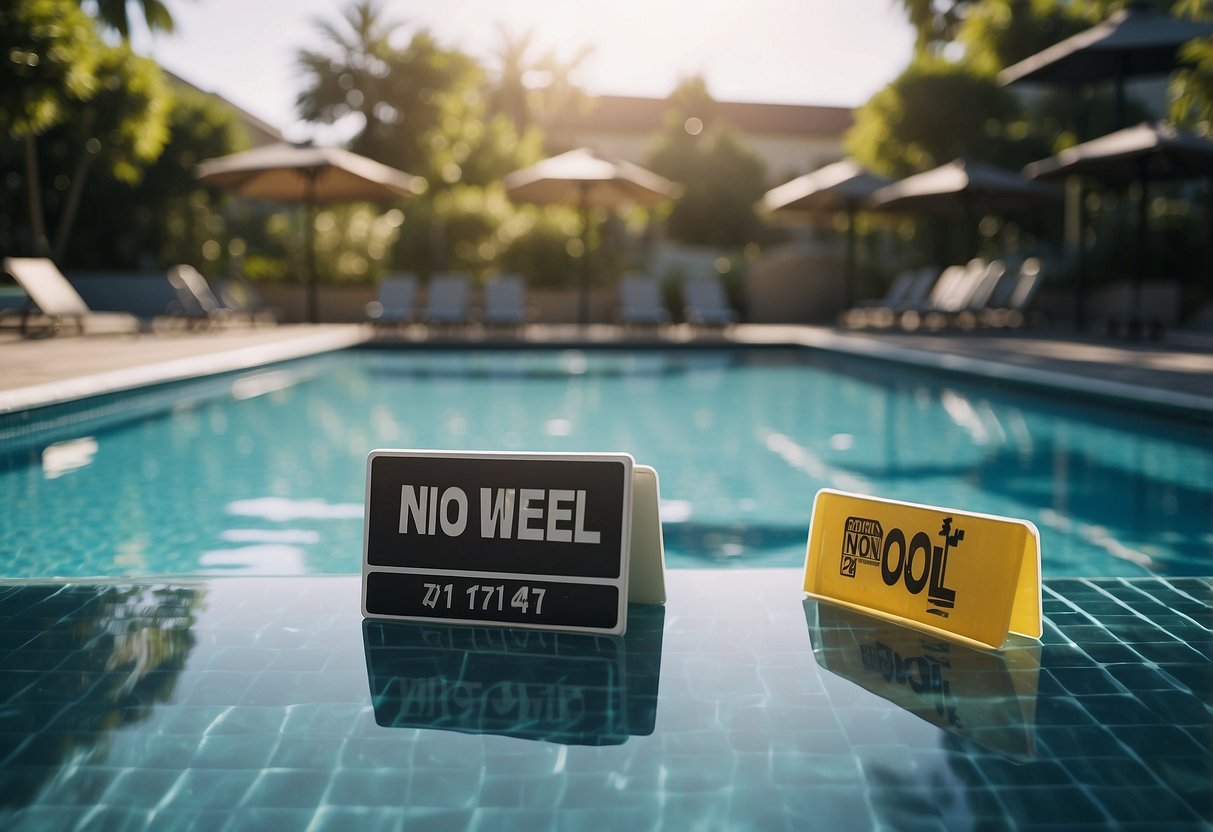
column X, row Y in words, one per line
column 1175, row 373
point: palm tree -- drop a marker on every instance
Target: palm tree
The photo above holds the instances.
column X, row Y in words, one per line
column 535, row 91
column 351, row 72
column 395, row 91
column 509, row 93
column 114, row 15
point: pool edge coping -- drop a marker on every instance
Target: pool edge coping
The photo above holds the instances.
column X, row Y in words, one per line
column 856, row 344
column 795, row 335
column 178, row 369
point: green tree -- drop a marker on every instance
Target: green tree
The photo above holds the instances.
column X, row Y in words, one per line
column 167, row 215
column 50, row 51
column 1192, row 87
column 933, row 112
column 428, row 110
column 998, row 33
column 392, row 91
column 935, row 22
column 115, row 14
column 122, row 128
column 73, row 97
column 722, row 177
column 534, row 91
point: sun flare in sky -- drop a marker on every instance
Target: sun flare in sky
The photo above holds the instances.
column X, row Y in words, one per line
column 781, row 51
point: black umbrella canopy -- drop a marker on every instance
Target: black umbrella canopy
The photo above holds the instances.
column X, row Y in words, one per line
column 1137, row 41
column 837, row 188
column 964, row 185
column 840, row 188
column 1154, row 151
column 1141, row 154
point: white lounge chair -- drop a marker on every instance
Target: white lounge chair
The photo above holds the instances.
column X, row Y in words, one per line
column 949, row 296
column 1010, row 302
column 447, row 301
column 640, row 302
column 196, row 302
column 505, row 301
column 396, row 302
column 242, row 297
column 704, row 303
column 909, row 290
column 57, row 300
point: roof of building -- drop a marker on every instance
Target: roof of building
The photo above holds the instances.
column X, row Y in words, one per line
column 260, row 132
column 631, row 114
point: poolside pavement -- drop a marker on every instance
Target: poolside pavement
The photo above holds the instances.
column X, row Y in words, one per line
column 1175, row 373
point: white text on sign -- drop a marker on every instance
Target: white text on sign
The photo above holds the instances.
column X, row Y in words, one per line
column 538, row 514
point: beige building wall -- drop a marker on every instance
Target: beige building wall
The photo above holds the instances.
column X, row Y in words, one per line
column 790, row 139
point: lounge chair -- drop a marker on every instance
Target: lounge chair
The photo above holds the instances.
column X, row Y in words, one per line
column 197, row 303
column 396, row 302
column 909, row 289
column 992, row 277
column 948, row 297
column 704, row 303
column 238, row 294
column 1011, row 301
column 58, row 302
column 447, row 300
column 505, row 301
column 640, row 302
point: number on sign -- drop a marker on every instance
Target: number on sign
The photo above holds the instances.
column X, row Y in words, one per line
column 433, row 594
column 523, row 597
column 488, row 596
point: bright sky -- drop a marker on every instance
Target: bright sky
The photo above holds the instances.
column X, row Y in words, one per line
column 833, row 52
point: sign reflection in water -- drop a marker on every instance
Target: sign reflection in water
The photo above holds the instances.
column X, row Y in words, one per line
column 569, row 688
column 987, row 697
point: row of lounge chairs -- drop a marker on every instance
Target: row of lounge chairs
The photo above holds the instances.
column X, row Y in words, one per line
column 505, row 302
column 54, row 305
column 979, row 293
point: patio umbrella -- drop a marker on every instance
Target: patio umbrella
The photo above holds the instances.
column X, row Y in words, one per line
column 310, row 175
column 1149, row 152
column 1136, row 41
column 585, row 179
column 841, row 188
column 964, row 186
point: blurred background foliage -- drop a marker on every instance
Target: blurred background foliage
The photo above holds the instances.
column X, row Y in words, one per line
column 87, row 125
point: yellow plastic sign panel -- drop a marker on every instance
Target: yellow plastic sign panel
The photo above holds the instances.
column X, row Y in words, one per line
column 970, row 577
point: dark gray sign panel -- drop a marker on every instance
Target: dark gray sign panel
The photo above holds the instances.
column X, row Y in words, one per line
column 524, row 540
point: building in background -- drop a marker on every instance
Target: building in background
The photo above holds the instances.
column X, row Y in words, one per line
column 790, row 138
column 259, row 132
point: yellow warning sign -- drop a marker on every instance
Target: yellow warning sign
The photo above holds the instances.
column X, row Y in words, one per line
column 973, row 577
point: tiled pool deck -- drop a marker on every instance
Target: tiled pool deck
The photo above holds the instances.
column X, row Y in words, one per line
column 268, row 704
column 232, row 704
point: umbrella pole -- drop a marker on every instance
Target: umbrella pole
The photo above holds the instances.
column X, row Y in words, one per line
column 309, row 241
column 583, row 313
column 1137, row 316
column 848, row 285
column 1080, row 286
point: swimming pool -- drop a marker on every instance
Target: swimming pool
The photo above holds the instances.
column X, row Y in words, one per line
column 262, row 472
column 219, row 699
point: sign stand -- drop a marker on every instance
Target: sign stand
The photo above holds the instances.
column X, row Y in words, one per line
column 538, row 540
column 969, row 577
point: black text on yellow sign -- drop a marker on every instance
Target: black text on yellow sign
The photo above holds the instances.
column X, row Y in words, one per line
column 971, row 576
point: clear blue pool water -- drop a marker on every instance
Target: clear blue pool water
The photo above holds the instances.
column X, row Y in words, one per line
column 263, row 472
